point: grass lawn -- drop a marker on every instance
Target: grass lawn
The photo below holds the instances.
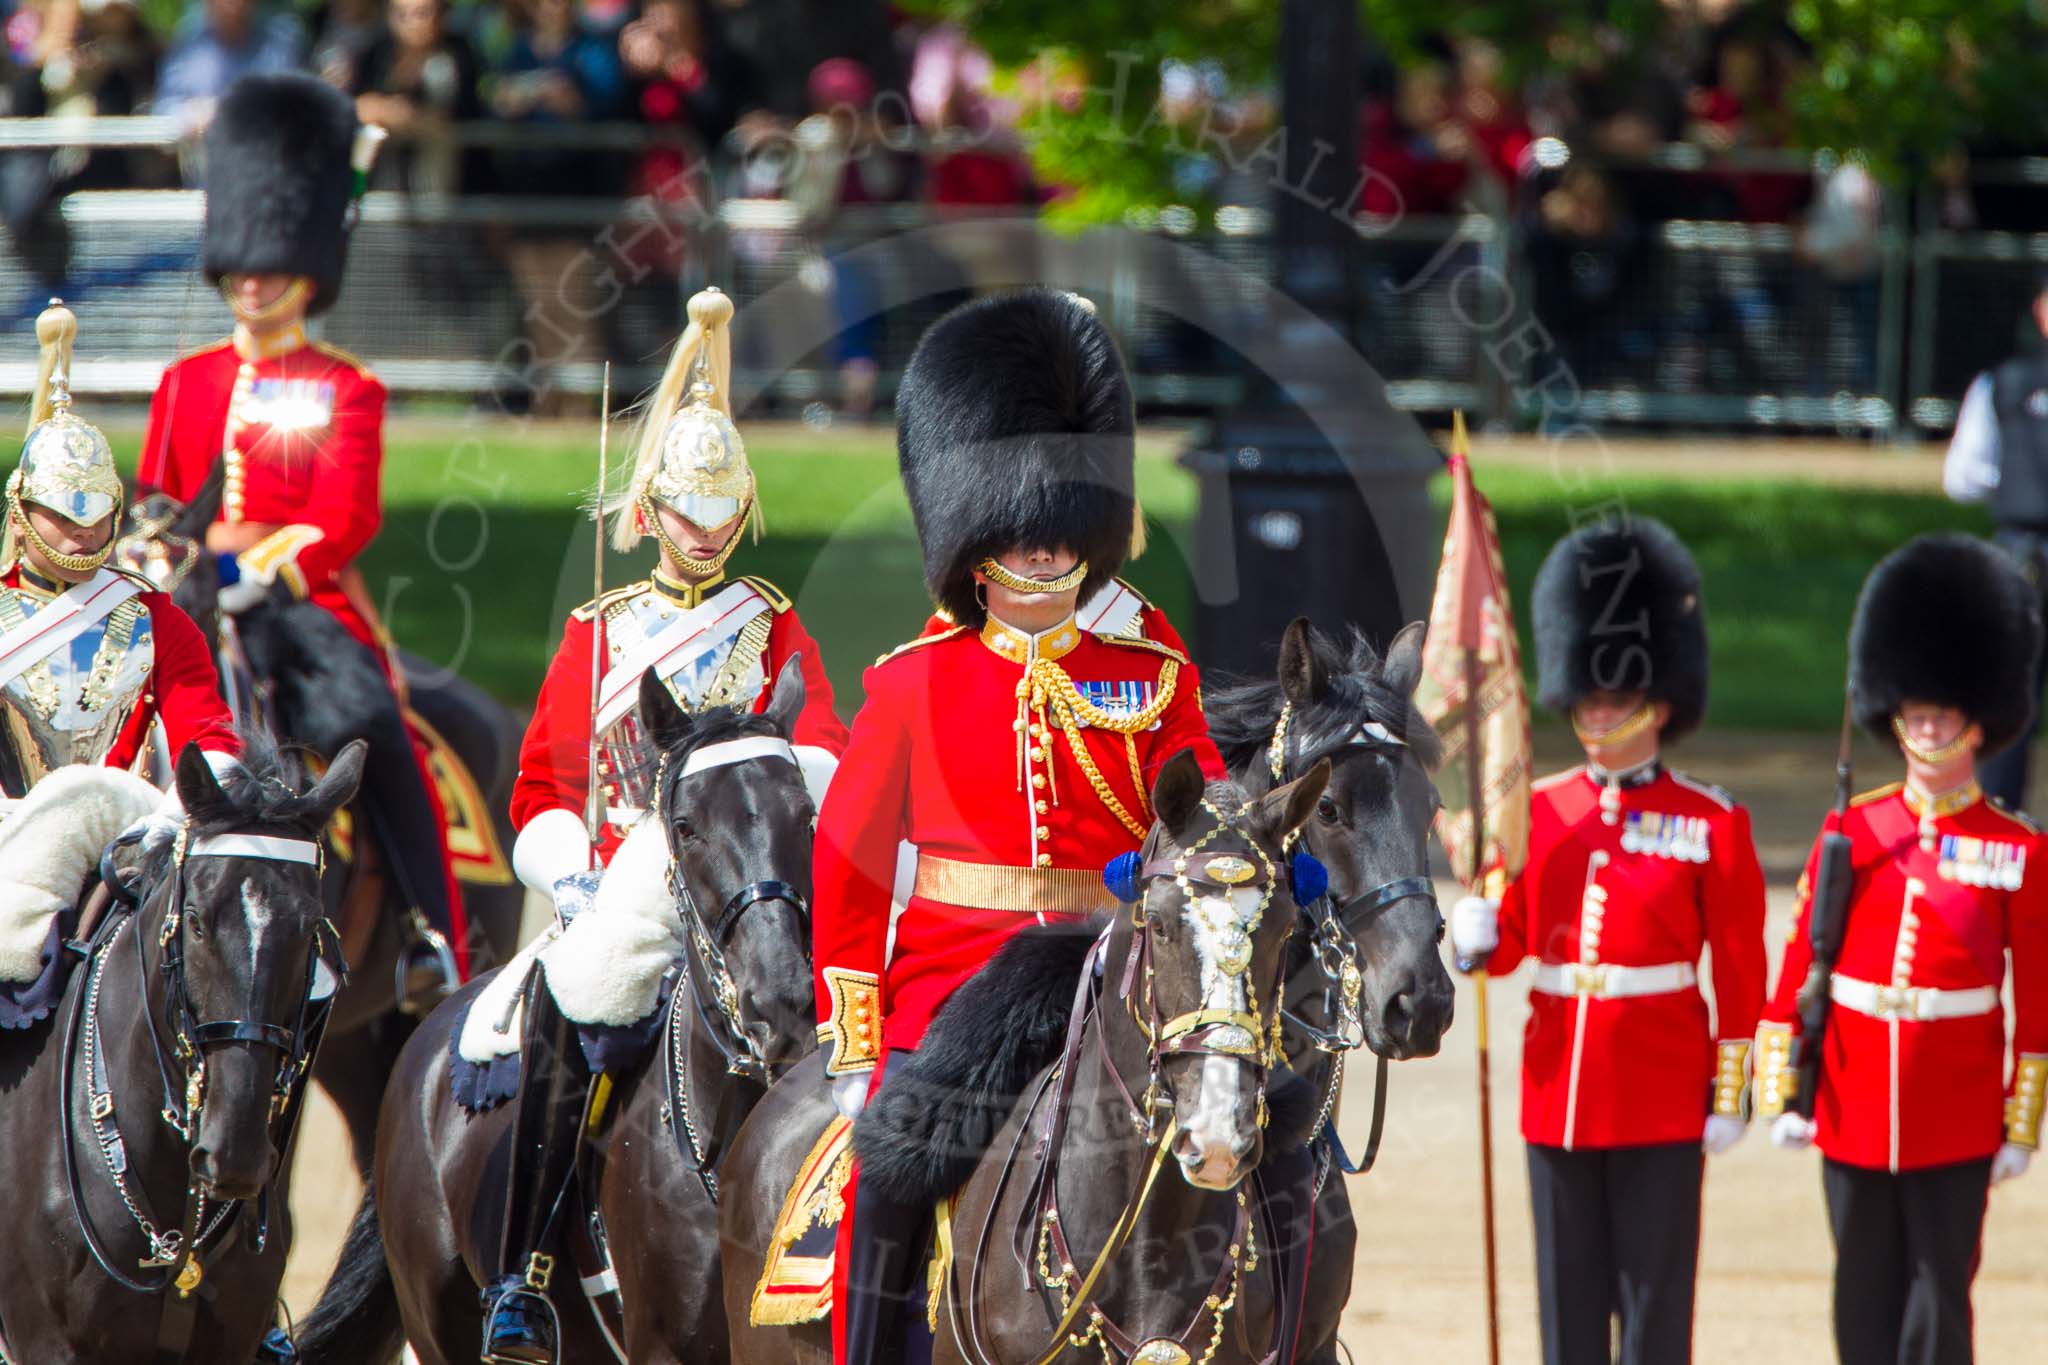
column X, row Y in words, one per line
column 482, row 553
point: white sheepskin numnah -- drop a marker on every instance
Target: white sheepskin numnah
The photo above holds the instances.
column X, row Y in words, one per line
column 606, row 967
column 49, row 843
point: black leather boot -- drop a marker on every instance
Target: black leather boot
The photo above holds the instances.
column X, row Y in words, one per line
column 520, row 1325
column 881, row 1274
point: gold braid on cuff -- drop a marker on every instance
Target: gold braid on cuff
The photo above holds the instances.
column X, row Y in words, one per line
column 854, row 1027
column 1731, row 1079
column 1777, row 1084
column 86, row 563
column 2023, row 1108
column 1003, row 578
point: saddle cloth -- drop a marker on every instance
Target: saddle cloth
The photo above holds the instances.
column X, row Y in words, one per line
column 50, row 843
column 605, row 969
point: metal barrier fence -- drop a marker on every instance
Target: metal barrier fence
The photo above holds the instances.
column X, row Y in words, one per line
column 1678, row 321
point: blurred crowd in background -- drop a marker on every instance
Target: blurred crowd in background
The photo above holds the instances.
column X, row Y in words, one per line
column 836, row 104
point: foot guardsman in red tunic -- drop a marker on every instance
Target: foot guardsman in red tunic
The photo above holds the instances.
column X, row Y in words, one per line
column 715, row 642
column 295, row 429
column 1633, row 870
column 121, row 657
column 1913, row 1110
column 1015, row 750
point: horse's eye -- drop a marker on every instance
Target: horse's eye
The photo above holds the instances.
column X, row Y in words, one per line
column 1327, row 809
column 684, row 830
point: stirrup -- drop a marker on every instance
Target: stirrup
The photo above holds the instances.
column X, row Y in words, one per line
column 425, row 973
column 520, row 1324
column 277, row 1348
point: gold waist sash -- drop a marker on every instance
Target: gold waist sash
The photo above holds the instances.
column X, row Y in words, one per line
column 1027, row 890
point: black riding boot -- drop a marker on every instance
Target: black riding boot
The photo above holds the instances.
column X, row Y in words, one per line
column 520, row 1326
column 406, row 826
column 880, row 1274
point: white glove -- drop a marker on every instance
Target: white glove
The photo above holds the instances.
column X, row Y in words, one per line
column 2011, row 1160
column 850, row 1093
column 1791, row 1131
column 242, row 594
column 1475, row 930
column 1722, row 1133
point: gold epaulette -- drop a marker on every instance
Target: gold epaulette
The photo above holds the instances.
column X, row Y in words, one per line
column 354, row 362
column 589, row 610
column 2018, row 817
column 774, row 596
column 1130, row 588
column 1150, row 646
column 919, row 643
column 1875, row 794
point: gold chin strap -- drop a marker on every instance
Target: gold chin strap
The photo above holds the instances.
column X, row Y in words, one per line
column 291, row 296
column 1637, row 721
column 86, row 563
column 1968, row 738
column 710, row 567
column 1003, row 578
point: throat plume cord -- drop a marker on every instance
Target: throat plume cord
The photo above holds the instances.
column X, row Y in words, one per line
column 1622, row 731
column 1032, row 587
column 681, row 557
column 85, row 563
column 1969, row 737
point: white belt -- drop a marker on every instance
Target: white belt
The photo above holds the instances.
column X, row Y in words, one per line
column 1608, row 981
column 1911, row 1002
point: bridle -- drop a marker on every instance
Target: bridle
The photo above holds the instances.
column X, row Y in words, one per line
column 712, row 993
column 1335, row 949
column 179, row 1251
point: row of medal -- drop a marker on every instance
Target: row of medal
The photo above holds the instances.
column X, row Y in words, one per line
column 1982, row 862
column 1681, row 837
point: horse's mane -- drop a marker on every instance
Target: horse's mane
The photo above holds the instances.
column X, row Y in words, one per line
column 269, row 788
column 715, row 725
column 1244, row 713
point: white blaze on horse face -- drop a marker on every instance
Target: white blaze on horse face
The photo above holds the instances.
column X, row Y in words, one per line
column 1223, row 1123
column 257, row 913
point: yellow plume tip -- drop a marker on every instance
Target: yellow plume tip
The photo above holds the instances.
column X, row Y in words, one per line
column 1458, row 440
column 710, row 307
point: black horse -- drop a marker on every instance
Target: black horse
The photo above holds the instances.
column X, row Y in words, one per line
column 165, row 542
column 1367, row 970
column 739, row 1015
column 148, row 1133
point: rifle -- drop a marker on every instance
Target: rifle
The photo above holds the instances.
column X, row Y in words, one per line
column 1826, row 919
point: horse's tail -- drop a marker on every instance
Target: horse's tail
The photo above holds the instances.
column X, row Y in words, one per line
column 356, row 1321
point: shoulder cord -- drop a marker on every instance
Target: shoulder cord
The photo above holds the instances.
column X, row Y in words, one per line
column 1046, row 685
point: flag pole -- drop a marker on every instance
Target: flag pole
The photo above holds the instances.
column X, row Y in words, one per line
column 1476, row 796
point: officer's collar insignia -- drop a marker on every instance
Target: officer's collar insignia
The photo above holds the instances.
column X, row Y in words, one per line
column 250, row 346
column 1022, row 647
column 686, row 594
column 1628, row 779
column 1942, row 804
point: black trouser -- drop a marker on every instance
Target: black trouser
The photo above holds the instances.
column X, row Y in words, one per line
column 2004, row 774
column 1617, row 1232
column 1906, row 1249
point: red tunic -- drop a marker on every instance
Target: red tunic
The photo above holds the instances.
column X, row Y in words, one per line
column 1628, row 1071
column 554, row 758
column 308, row 427
column 934, row 759
column 183, row 687
column 1904, row 1093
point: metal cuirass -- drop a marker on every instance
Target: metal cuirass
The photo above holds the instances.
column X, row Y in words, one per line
column 727, row 670
column 71, row 706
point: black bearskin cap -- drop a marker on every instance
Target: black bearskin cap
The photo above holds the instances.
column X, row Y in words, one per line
column 1949, row 620
column 278, row 182
column 1617, row 607
column 1014, row 428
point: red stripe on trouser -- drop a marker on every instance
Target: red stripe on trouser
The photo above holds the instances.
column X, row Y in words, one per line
column 842, row 1245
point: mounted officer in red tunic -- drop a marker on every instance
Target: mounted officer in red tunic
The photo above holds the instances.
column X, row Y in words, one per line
column 1633, row 870
column 295, row 430
column 715, row 642
column 1913, row 1112
column 1015, row 749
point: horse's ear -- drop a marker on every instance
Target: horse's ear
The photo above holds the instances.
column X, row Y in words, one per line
column 198, row 789
column 786, row 702
column 338, row 786
column 1402, row 668
column 1177, row 795
column 1286, row 809
column 667, row 723
column 1303, row 679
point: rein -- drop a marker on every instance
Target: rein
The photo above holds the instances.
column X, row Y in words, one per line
column 1335, row 949
column 179, row 1252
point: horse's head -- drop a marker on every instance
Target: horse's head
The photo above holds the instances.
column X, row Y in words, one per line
column 738, row 818
column 240, row 951
column 1214, row 920
column 1339, row 700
